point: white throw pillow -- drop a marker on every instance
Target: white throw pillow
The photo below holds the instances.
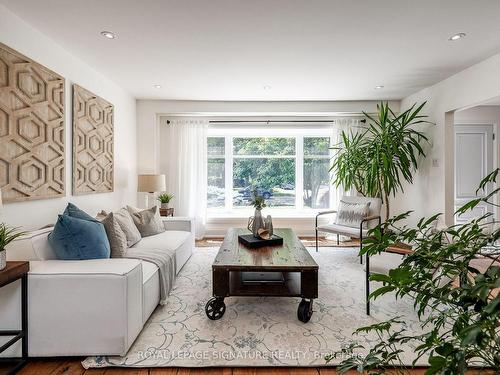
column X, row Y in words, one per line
column 351, row 214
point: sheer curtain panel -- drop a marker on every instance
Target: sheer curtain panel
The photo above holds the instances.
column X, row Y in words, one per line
column 184, row 162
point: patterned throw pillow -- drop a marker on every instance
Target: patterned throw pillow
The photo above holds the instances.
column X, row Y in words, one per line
column 350, row 214
column 116, row 235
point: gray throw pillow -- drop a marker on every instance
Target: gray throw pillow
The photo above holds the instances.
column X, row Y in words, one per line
column 350, row 214
column 116, row 236
column 127, row 225
column 147, row 221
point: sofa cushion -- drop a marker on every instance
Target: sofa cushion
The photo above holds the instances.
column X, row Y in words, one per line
column 32, row 246
column 342, row 230
column 118, row 267
column 147, row 221
column 77, row 239
column 168, row 240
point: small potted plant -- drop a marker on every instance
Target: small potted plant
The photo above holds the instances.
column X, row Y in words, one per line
column 7, row 235
column 165, row 199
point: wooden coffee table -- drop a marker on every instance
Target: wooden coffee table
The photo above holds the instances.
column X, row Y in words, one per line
column 286, row 270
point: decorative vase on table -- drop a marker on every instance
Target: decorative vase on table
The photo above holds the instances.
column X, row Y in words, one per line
column 164, row 205
column 3, row 259
column 255, row 223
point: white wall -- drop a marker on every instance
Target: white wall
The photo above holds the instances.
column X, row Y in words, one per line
column 432, row 190
column 20, row 36
column 149, row 111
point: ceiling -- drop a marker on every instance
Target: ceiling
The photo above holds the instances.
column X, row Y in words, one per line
column 271, row 49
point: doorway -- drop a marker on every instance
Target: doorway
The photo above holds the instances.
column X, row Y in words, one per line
column 476, row 155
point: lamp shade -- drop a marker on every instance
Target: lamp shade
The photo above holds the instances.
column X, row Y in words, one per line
column 150, row 183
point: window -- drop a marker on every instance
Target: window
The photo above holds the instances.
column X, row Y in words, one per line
column 290, row 168
column 267, row 165
column 216, row 172
column 317, row 172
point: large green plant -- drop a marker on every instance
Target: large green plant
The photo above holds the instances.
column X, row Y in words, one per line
column 457, row 304
column 380, row 159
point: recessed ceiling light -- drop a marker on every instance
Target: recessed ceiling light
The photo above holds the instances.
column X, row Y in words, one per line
column 108, row 34
column 456, row 36
column 157, row 86
column 379, row 87
column 266, row 87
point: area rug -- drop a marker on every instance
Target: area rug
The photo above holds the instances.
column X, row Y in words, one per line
column 261, row 331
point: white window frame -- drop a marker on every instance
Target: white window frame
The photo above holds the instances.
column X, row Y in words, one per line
column 293, row 132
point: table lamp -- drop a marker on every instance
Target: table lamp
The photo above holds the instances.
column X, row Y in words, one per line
column 150, row 184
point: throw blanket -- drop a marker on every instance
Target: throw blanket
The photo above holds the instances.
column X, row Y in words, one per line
column 166, row 265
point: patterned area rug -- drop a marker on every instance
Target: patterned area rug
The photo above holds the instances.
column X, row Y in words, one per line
column 260, row 331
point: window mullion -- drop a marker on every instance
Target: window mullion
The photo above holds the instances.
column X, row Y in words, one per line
column 299, row 173
column 228, row 186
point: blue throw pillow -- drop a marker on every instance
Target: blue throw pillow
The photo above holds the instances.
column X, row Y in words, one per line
column 78, row 239
column 73, row 211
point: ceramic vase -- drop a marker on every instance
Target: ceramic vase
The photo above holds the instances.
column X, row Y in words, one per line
column 255, row 223
column 164, row 205
column 3, row 259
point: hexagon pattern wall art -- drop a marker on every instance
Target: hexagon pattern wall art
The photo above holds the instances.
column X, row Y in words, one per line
column 32, row 119
column 93, row 132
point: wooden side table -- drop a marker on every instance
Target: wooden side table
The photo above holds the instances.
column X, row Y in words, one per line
column 15, row 271
column 167, row 212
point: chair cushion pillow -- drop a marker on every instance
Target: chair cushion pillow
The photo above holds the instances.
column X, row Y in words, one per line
column 78, row 239
column 116, row 235
column 351, row 214
column 147, row 221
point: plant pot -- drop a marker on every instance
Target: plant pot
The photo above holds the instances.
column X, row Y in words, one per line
column 164, row 205
column 3, row 259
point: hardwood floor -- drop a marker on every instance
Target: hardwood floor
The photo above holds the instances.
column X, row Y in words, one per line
column 73, row 367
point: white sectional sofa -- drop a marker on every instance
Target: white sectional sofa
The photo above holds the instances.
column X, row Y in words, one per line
column 93, row 307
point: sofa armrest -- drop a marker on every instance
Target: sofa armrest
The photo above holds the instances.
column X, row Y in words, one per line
column 185, row 224
column 99, row 301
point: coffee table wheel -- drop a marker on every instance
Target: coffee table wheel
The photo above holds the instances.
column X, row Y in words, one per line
column 215, row 308
column 305, row 311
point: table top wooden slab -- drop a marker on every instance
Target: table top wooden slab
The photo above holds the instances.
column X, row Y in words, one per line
column 291, row 256
column 13, row 271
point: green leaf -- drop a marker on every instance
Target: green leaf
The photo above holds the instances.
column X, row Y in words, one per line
column 381, row 291
column 471, row 334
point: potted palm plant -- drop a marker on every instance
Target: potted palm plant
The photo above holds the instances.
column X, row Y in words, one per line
column 453, row 276
column 165, row 199
column 7, row 235
column 377, row 161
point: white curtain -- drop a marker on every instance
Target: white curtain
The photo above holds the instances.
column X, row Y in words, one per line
column 346, row 125
column 184, row 161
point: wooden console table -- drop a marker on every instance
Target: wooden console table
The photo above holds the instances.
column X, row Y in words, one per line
column 167, row 212
column 15, row 271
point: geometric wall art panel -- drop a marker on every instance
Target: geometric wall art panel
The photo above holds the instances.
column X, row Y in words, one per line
column 93, row 133
column 32, row 158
